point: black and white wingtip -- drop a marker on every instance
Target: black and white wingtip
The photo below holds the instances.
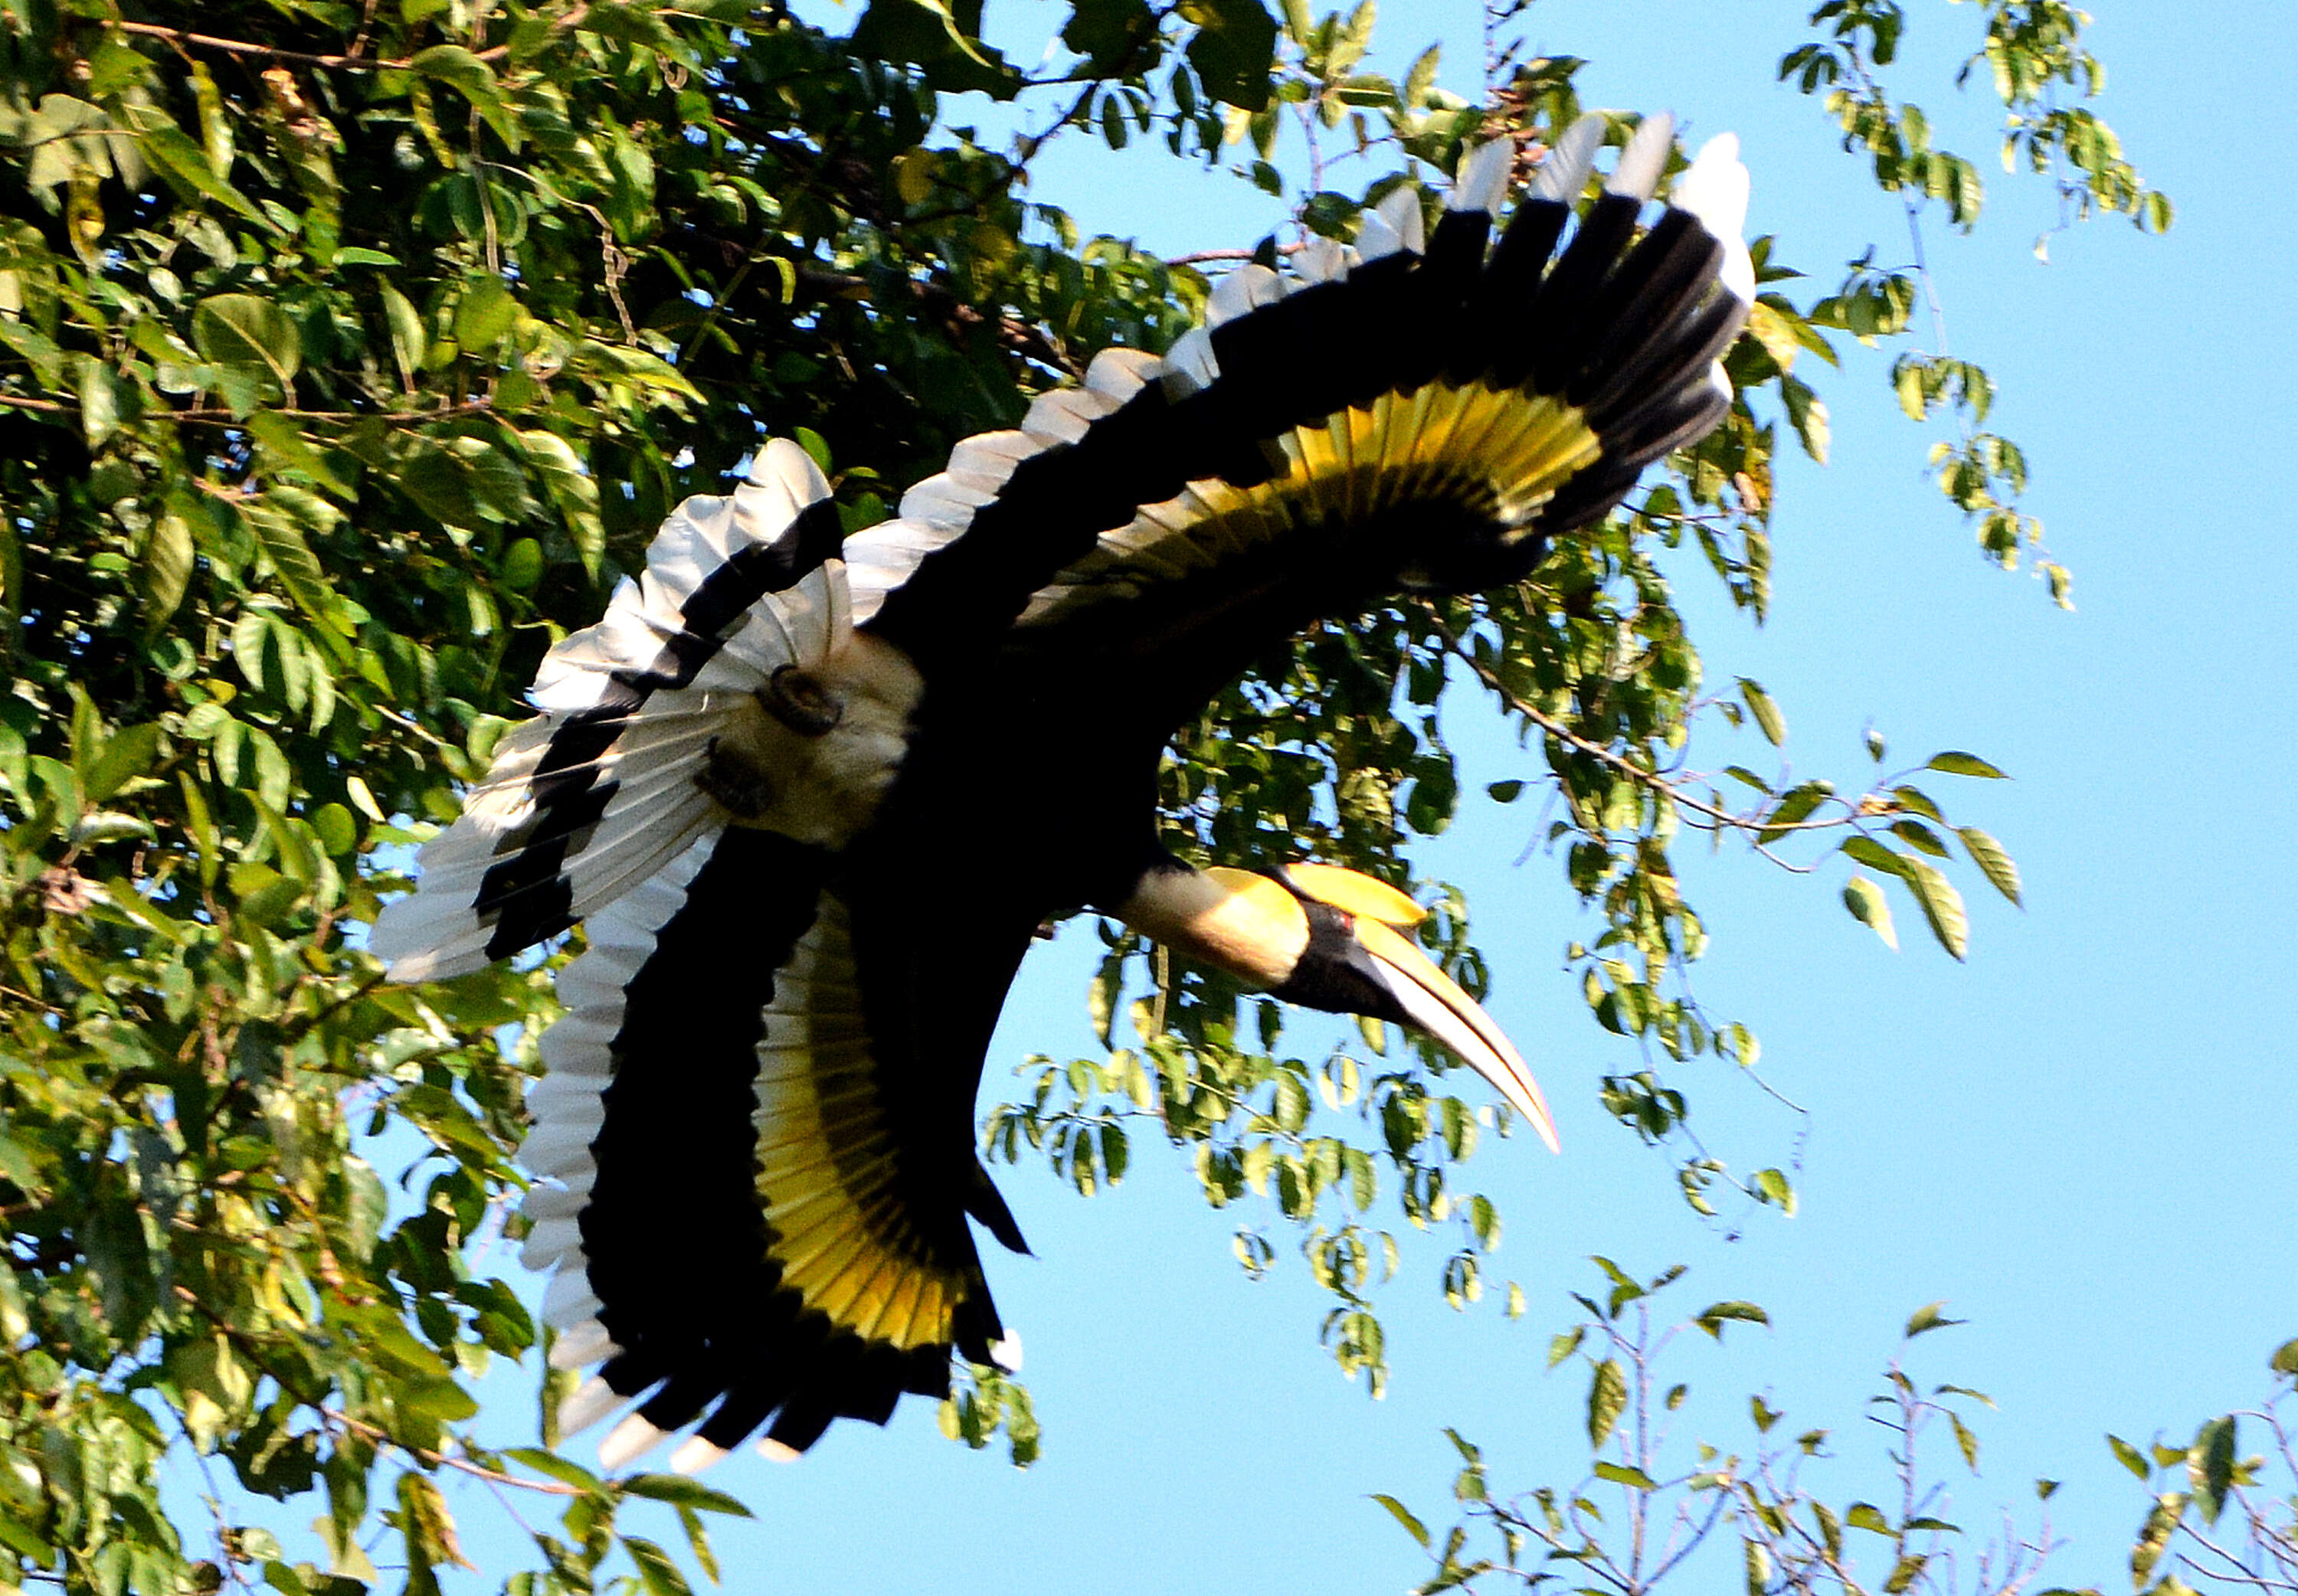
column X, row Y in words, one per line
column 883, row 559
column 1637, row 173
column 568, row 1107
column 1564, row 172
column 937, row 511
column 1481, row 182
column 1715, row 190
column 1392, row 227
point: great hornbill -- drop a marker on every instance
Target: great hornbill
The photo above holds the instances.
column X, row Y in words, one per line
column 761, row 779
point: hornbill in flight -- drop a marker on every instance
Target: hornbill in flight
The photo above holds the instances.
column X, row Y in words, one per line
column 760, row 781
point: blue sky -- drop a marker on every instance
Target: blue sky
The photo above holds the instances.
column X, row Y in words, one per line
column 2083, row 1139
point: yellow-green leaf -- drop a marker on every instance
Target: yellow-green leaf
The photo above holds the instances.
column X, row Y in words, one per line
column 1993, row 863
column 1865, row 899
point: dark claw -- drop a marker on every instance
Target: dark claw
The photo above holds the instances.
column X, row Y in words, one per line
column 799, row 702
column 736, row 780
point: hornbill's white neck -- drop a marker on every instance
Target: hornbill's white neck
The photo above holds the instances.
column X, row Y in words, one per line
column 1327, row 938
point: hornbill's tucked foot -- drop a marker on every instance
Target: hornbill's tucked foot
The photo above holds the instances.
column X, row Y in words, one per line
column 810, row 795
column 802, row 702
column 736, row 780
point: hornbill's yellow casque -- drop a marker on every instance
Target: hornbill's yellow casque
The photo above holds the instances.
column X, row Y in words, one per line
column 760, row 778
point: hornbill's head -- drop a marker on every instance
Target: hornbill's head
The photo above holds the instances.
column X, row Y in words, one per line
column 1329, row 939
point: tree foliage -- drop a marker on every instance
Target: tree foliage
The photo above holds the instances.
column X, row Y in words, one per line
column 1655, row 1508
column 350, row 352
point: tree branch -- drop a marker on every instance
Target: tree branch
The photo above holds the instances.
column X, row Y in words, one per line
column 347, row 62
column 368, row 1432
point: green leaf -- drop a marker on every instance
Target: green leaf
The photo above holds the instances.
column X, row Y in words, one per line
column 1965, row 1441
column 1607, row 1398
column 1993, row 863
column 100, row 395
column 1808, row 414
column 1927, row 1318
column 1866, row 1516
column 1717, row 1315
column 1941, row 904
column 1964, row 765
column 684, row 1492
column 247, row 333
column 409, row 342
column 557, row 1467
column 697, row 1539
column 2210, row 1464
column 657, row 1571
column 1235, row 43
column 1403, row 1516
column 817, row 448
column 1865, row 899
column 1768, row 719
column 1920, row 837
column 127, row 753
column 941, row 38
column 454, row 65
column 572, row 489
column 1872, row 854
column 22, row 1539
column 1799, row 803
column 633, row 25
column 184, row 164
column 279, row 519
column 2154, row 1534
column 2284, row 1361
column 289, row 450
column 1772, row 1186
column 1621, row 1475
column 1565, row 1344
column 427, row 1528
column 487, row 311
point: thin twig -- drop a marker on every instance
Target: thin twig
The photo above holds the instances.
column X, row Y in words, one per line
column 421, row 731
column 1197, row 257
column 302, row 1027
column 443, row 1459
column 217, row 419
column 1652, row 779
column 209, row 41
column 348, row 63
column 1911, row 200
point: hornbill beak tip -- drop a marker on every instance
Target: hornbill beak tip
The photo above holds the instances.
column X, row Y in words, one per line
column 1434, row 1005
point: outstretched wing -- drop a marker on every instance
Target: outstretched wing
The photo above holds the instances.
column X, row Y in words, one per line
column 1379, row 419
column 756, row 1139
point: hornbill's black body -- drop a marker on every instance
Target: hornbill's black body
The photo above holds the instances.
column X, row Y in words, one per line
column 814, row 795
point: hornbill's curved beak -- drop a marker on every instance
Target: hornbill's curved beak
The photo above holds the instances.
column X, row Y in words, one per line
column 1329, row 939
